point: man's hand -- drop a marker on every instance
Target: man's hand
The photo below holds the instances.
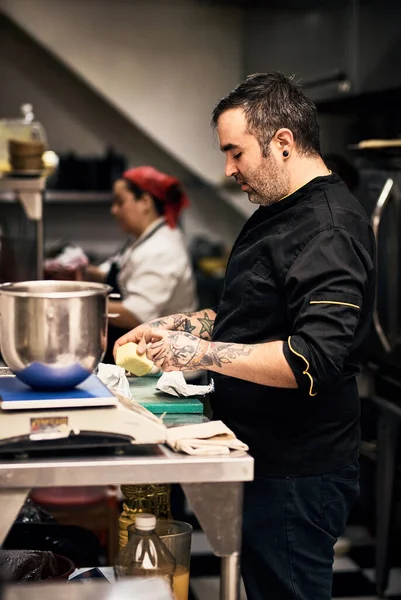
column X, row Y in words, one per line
column 199, row 323
column 174, row 350
column 181, row 351
column 135, row 335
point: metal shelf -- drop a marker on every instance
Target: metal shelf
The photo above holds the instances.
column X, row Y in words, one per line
column 60, row 197
column 55, row 196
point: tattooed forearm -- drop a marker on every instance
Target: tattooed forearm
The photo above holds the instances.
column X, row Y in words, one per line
column 264, row 364
column 186, row 350
column 198, row 323
column 159, row 323
column 183, row 323
column 180, row 351
column 207, row 324
column 219, row 353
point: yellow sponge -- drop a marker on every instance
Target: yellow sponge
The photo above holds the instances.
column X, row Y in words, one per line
column 128, row 358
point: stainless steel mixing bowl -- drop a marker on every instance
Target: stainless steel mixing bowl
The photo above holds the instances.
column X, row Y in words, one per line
column 53, row 333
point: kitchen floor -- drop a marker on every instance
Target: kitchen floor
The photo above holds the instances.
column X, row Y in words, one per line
column 353, row 574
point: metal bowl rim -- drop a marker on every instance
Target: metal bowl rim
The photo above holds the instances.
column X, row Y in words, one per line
column 94, row 289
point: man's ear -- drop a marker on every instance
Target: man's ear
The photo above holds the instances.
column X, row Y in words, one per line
column 283, row 140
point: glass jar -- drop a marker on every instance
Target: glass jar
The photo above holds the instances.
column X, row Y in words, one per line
column 24, row 129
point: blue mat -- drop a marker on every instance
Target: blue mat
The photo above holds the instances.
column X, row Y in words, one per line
column 91, row 392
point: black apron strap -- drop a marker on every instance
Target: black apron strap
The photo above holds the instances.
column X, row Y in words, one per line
column 113, row 333
column 111, row 278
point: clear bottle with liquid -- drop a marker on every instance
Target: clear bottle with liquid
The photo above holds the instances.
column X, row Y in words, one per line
column 145, row 555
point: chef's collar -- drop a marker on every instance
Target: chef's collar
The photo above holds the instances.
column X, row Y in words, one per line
column 149, row 229
column 310, row 187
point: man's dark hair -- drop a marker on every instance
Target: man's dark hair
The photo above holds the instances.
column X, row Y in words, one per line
column 272, row 101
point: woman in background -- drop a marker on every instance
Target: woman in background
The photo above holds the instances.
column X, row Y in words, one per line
column 153, row 272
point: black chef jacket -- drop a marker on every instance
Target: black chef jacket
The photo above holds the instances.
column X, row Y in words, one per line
column 301, row 271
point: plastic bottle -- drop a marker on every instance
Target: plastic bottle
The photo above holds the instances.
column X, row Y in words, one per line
column 145, row 555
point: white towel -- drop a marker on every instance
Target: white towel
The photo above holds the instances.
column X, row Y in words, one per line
column 211, row 438
column 204, row 439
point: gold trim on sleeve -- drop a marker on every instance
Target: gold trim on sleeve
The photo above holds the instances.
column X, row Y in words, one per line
column 335, row 302
column 306, row 372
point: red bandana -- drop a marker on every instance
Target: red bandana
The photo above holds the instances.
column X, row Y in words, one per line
column 158, row 184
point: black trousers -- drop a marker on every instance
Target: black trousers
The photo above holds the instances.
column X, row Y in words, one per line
column 290, row 528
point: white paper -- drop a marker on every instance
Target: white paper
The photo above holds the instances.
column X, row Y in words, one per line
column 174, row 383
column 114, row 378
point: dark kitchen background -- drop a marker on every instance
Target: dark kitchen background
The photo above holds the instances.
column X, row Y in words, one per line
column 124, row 82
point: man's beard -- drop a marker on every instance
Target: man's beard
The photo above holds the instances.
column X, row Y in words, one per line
column 269, row 183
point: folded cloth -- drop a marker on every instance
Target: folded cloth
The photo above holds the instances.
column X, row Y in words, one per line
column 135, row 406
column 174, row 383
column 207, row 439
column 204, row 439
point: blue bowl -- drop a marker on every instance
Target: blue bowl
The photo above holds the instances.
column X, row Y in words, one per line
column 45, row 377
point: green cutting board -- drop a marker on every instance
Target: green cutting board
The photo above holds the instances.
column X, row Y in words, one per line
column 143, row 390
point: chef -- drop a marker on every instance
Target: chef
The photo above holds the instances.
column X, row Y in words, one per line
column 153, row 272
column 285, row 341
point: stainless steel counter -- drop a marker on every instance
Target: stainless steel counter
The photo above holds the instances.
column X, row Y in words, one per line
column 141, row 589
column 213, row 486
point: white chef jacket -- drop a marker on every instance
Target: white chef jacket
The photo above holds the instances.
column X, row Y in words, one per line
column 155, row 275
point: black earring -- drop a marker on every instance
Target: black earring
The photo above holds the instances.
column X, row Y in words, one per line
column 286, row 153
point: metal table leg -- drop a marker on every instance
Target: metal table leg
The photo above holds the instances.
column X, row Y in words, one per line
column 230, row 576
column 218, row 507
column 386, row 465
column 11, row 502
